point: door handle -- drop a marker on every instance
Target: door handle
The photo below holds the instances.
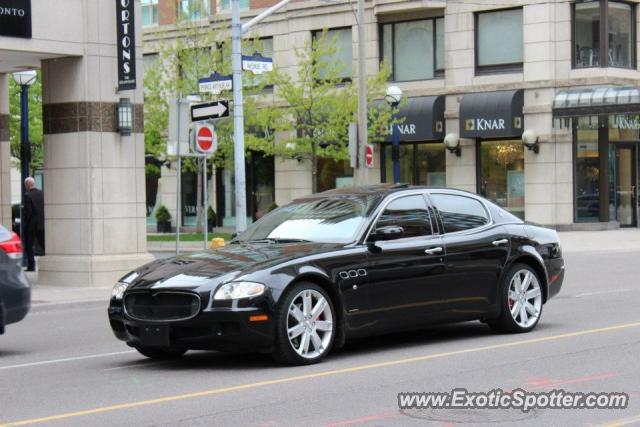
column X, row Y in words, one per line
column 500, row 242
column 433, row 251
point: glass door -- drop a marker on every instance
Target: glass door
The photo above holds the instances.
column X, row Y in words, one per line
column 626, row 186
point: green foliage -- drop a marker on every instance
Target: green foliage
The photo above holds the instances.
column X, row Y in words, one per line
column 35, row 122
column 152, row 170
column 162, row 214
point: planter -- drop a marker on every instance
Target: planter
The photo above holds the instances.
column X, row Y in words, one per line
column 164, row 226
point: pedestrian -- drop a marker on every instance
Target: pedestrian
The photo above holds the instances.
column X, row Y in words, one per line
column 33, row 221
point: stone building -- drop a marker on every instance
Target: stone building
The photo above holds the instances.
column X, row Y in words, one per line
column 564, row 72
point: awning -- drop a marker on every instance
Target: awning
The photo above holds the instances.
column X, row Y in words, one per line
column 596, row 100
column 423, row 120
column 492, row 114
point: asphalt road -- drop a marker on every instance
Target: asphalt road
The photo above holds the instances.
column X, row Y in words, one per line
column 62, row 366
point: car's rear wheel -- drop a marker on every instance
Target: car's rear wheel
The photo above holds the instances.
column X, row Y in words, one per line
column 161, row 353
column 520, row 299
column 305, row 325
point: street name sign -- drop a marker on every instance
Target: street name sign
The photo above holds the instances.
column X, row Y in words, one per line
column 257, row 63
column 210, row 110
column 215, row 83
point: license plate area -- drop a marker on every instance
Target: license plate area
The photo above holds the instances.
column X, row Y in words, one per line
column 155, row 335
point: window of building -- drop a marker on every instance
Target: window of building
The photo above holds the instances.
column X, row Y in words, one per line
column 414, row 49
column 410, row 213
column 499, row 41
column 501, row 174
column 149, row 9
column 342, row 59
column 459, row 213
column 334, row 174
column 225, row 5
column 195, row 9
column 587, row 170
column 591, row 22
column 420, row 164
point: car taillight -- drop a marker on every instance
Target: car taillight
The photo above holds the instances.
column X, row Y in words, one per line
column 12, row 247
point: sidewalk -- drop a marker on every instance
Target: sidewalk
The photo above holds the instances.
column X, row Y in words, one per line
column 572, row 242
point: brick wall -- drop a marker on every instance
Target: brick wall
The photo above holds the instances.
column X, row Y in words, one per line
column 167, row 10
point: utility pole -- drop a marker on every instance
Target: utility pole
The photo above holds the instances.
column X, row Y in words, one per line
column 362, row 177
column 237, row 30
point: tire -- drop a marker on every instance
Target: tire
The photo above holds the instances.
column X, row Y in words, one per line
column 297, row 325
column 521, row 310
column 161, row 353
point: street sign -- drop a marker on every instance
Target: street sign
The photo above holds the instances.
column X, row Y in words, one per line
column 206, row 140
column 210, row 110
column 257, row 63
column 215, row 83
column 368, row 155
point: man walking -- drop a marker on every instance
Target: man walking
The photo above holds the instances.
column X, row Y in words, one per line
column 33, row 221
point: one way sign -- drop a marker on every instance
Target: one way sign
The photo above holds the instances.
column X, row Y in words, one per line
column 210, row 110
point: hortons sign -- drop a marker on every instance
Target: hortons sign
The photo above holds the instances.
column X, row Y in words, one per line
column 126, row 44
column 15, row 18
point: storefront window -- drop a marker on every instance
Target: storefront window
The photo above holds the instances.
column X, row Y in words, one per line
column 590, row 50
column 414, row 49
column 334, row 174
column 499, row 39
column 342, row 58
column 502, row 174
column 420, row 164
column 587, row 170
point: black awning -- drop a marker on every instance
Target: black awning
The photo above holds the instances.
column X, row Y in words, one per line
column 492, row 114
column 423, row 120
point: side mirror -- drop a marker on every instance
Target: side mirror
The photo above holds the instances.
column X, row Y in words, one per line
column 389, row 232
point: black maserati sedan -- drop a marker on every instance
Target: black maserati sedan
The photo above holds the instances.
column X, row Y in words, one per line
column 343, row 264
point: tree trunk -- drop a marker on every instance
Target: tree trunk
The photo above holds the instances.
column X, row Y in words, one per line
column 314, row 169
column 199, row 214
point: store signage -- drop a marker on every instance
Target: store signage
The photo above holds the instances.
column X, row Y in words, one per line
column 422, row 120
column 15, row 18
column 484, row 124
column 629, row 123
column 126, row 43
column 492, row 114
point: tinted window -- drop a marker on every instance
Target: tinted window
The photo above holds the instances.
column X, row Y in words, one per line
column 460, row 213
column 409, row 213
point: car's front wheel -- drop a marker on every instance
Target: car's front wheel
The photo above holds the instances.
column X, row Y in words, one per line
column 305, row 325
column 161, row 353
column 520, row 299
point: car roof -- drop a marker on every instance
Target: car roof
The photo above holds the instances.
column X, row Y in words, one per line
column 383, row 190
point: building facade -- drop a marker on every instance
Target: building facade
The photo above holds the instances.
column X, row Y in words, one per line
column 564, row 73
column 93, row 172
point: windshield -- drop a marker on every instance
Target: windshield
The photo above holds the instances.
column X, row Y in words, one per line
column 335, row 220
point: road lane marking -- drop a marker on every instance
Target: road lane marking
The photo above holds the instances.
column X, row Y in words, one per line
column 548, row 383
column 67, row 359
column 623, row 422
column 322, row 374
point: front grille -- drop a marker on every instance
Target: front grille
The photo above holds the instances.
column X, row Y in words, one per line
column 161, row 306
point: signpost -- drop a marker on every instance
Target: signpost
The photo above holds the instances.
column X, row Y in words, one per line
column 215, row 83
column 210, row 110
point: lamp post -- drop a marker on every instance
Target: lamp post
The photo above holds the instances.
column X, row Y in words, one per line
column 24, row 79
column 393, row 97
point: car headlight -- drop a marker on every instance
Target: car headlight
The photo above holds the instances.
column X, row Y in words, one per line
column 118, row 290
column 238, row 290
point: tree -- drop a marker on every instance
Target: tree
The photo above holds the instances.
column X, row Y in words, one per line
column 35, row 122
column 320, row 104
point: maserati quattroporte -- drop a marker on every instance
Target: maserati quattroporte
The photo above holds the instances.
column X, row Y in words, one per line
column 344, row 264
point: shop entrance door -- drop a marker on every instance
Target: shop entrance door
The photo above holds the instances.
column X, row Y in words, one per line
column 626, row 185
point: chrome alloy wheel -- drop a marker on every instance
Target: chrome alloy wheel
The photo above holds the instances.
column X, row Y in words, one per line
column 525, row 298
column 309, row 324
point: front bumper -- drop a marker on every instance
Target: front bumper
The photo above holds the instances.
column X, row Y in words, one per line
column 222, row 328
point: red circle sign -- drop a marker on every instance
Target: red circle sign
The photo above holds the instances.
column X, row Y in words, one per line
column 204, row 139
column 369, row 156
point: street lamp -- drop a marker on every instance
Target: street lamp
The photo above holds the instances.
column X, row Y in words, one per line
column 393, row 97
column 24, row 79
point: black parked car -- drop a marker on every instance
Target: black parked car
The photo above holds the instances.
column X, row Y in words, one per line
column 15, row 292
column 343, row 264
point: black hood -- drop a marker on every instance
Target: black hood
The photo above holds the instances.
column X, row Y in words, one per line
column 221, row 265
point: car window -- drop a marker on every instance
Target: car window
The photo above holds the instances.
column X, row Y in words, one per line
column 460, row 213
column 408, row 212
